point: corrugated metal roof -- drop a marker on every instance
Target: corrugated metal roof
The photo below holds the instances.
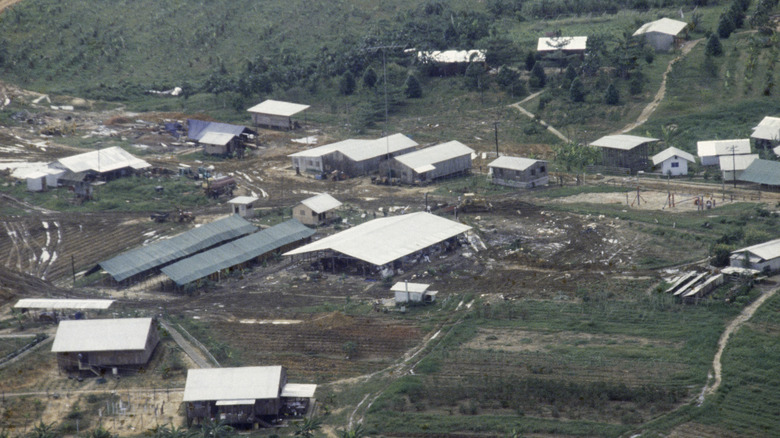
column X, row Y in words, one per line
column 381, row 241
column 767, row 250
column 360, row 149
column 622, row 142
column 161, row 252
column 299, row 390
column 278, row 108
column 664, row 25
column 236, row 252
column 434, row 154
column 241, row 383
column 767, row 129
column 197, row 129
column 321, row 203
column 762, row 172
column 216, row 138
column 326, row 149
column 713, row 148
column 239, row 200
column 103, row 160
column 514, row 163
column 403, row 286
column 738, row 162
column 562, row 43
column 451, row 56
column 672, row 152
column 87, row 335
column 61, row 303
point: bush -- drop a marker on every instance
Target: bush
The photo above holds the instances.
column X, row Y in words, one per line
column 412, row 88
column 347, row 84
column 714, row 48
column 369, row 78
column 612, row 96
column 577, row 91
column 725, row 26
column 538, row 77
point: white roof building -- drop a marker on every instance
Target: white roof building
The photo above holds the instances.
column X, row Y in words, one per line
column 243, row 200
column 88, row 335
column 233, row 386
column 62, row 303
column 299, row 390
column 767, row 129
column 359, row 149
column 759, row 257
column 451, row 56
column 622, row 142
column 405, row 286
column 714, row 148
column 513, row 163
column 425, row 159
column 278, row 108
column 737, row 162
column 665, row 26
column 672, row 152
column 578, row 43
column 103, row 160
column 321, row 203
column 381, row 241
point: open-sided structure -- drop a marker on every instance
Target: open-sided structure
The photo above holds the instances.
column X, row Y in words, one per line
column 108, row 163
column 764, row 256
column 710, row 151
column 406, row 292
column 99, row 344
column 518, row 172
column 763, row 172
column 577, row 44
column 767, row 132
column 663, row 34
column 317, row 210
column 624, row 153
column 241, row 252
column 425, row 165
column 50, row 309
column 387, row 241
column 449, row 62
column 243, row 395
column 275, row 114
column 218, row 138
column 147, row 259
column 673, row 161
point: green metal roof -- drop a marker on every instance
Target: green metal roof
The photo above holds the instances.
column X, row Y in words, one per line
column 236, row 252
column 762, row 172
column 159, row 253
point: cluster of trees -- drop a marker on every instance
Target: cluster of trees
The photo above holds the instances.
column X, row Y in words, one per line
column 733, row 18
column 528, row 9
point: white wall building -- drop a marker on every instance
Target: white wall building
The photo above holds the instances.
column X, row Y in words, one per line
column 673, row 161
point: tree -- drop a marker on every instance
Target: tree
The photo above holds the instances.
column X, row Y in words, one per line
column 356, row 432
column 570, row 74
column 100, row 433
column 307, row 427
column 215, row 429
column 575, row 157
column 347, row 84
column 474, row 77
column 714, row 48
column 577, row 91
column 43, row 430
column 369, row 78
column 612, row 96
column 725, row 26
column 636, row 84
column 530, row 61
column 538, row 77
column 412, row 88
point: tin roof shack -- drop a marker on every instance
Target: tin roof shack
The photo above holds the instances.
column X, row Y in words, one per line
column 242, row 395
column 45, row 309
column 106, row 164
column 449, row 62
column 353, row 157
column 444, row 160
column 219, row 138
column 762, row 257
column 558, row 50
column 240, row 253
column 663, row 34
column 763, row 172
column 406, row 292
column 276, row 114
column 98, row 344
column 767, row 132
column 518, row 172
column 732, row 166
column 673, row 161
column 317, row 210
column 243, row 206
column 624, row 153
column 380, row 245
column 36, row 182
column 710, row 151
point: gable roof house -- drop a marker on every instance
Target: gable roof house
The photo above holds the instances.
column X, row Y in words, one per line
column 759, row 257
column 106, row 164
column 733, row 166
column 241, row 395
column 317, row 210
column 518, row 172
column 710, row 151
column 767, row 132
column 663, row 34
column 276, row 114
column 353, row 157
column 673, row 161
column 425, row 165
column 96, row 344
column 219, row 138
column 763, row 172
column 624, row 153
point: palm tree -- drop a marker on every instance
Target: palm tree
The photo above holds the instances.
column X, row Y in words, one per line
column 356, row 432
column 216, row 429
column 43, row 430
column 307, row 427
column 100, row 433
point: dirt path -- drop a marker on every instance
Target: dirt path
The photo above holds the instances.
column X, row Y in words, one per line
column 192, row 351
column 6, row 3
column 743, row 317
column 659, row 96
column 530, row 115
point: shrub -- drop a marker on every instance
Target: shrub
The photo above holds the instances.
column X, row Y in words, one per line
column 577, row 91
column 347, row 84
column 612, row 96
column 714, row 48
column 369, row 78
column 538, row 77
column 412, row 88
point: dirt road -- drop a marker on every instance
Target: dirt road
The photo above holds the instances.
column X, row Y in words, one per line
column 6, row 3
column 530, row 115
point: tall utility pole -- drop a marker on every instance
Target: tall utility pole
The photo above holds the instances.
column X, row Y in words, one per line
column 495, row 125
column 733, row 165
column 384, row 75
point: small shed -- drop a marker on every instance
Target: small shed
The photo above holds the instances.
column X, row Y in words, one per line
column 767, row 132
column 663, row 34
column 276, row 114
column 406, row 292
column 317, row 210
column 624, row 153
column 219, row 138
column 243, row 206
column 673, row 161
column 763, row 172
column 710, row 151
column 98, row 344
column 444, row 160
column 36, row 181
column 565, row 44
column 764, row 256
column 732, row 166
column 518, row 172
